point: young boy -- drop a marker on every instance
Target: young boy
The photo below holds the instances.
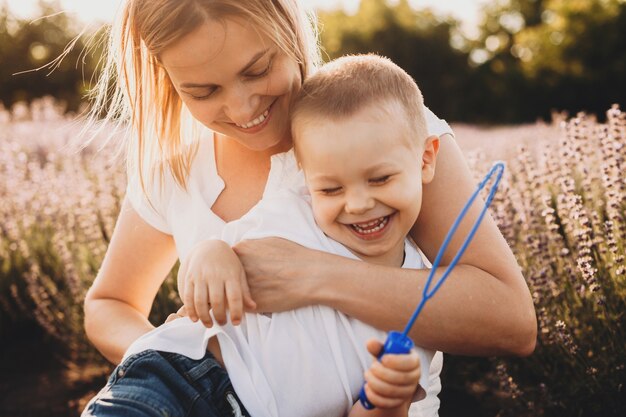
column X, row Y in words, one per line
column 361, row 142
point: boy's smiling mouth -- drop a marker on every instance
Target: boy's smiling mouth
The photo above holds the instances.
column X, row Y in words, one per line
column 371, row 229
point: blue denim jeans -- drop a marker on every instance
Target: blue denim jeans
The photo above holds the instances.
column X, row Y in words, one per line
column 153, row 383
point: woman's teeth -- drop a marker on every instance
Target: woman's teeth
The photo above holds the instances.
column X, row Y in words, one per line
column 256, row 121
column 371, row 227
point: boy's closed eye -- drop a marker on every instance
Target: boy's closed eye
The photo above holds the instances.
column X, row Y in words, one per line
column 330, row 190
column 380, row 180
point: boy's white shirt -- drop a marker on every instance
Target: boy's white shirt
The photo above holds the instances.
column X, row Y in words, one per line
column 275, row 359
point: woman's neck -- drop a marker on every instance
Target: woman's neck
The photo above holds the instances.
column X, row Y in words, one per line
column 228, row 145
column 244, row 172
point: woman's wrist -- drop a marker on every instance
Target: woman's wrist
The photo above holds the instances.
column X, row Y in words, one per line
column 332, row 278
column 313, row 281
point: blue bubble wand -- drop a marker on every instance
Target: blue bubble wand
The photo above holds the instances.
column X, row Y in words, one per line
column 401, row 343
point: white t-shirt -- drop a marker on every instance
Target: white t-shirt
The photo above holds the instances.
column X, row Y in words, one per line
column 275, row 359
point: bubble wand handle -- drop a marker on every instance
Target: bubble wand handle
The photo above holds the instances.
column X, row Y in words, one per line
column 427, row 294
column 400, row 342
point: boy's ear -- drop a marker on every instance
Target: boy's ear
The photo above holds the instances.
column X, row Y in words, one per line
column 429, row 158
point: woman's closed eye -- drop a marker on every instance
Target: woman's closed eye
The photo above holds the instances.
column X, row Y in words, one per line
column 262, row 72
column 210, row 91
column 197, row 96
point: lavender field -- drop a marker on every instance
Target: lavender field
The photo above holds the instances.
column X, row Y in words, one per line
column 562, row 208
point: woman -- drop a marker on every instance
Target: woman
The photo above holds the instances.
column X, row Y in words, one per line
column 180, row 68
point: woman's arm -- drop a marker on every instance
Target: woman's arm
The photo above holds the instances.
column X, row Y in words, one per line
column 118, row 303
column 488, row 284
column 484, row 308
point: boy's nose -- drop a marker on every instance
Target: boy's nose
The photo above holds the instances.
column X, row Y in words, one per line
column 359, row 203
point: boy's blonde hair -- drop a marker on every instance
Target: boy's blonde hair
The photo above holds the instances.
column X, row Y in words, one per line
column 135, row 88
column 342, row 87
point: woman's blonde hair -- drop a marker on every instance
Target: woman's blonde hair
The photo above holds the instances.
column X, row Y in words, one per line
column 134, row 88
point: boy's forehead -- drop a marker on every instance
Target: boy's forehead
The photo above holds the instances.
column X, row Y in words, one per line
column 389, row 116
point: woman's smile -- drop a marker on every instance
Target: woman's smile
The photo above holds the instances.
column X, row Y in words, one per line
column 259, row 123
column 244, row 95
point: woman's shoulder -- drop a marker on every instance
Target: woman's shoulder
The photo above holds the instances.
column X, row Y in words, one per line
column 153, row 191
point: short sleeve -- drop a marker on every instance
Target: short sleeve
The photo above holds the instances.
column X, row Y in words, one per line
column 435, row 125
column 149, row 204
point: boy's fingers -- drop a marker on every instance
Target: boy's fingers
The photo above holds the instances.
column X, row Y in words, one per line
column 172, row 317
column 374, row 347
column 235, row 301
column 389, row 390
column 190, row 307
column 247, row 296
column 216, row 299
column 180, row 279
column 401, row 362
column 180, row 313
column 201, row 300
column 409, row 376
column 381, row 401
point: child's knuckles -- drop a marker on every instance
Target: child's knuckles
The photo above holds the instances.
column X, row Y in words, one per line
column 377, row 367
column 405, row 378
column 392, row 360
column 235, row 297
column 416, row 375
column 220, row 316
column 367, row 375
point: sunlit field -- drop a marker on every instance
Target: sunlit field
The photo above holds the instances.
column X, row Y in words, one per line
column 561, row 207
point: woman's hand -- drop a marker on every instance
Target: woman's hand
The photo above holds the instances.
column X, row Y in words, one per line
column 212, row 277
column 281, row 274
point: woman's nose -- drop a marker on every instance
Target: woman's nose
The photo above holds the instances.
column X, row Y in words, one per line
column 241, row 105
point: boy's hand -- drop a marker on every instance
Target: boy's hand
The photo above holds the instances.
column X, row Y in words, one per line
column 393, row 381
column 212, row 277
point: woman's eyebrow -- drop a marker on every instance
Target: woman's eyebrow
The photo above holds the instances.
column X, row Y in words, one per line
column 250, row 63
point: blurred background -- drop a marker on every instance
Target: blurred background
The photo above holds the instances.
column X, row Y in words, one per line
column 537, row 83
column 505, row 61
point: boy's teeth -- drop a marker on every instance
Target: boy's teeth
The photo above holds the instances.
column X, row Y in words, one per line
column 256, row 121
column 372, row 226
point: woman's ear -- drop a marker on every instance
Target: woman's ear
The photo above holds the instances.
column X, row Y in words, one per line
column 429, row 158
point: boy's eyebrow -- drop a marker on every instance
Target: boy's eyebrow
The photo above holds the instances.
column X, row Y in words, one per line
column 322, row 177
column 368, row 171
column 382, row 165
column 250, row 63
